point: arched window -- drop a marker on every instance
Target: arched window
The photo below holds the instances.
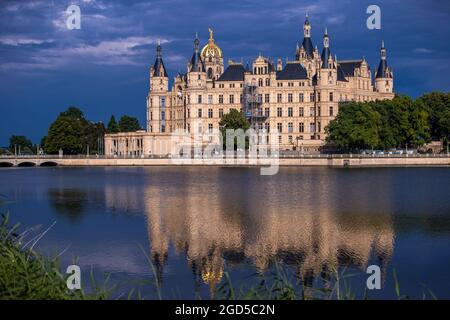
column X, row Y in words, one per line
column 210, row 73
column 267, row 82
column 260, row 82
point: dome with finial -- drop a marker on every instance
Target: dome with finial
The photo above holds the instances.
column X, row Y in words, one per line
column 211, row 49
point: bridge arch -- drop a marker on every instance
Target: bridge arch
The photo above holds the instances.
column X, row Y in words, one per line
column 26, row 164
column 4, row 164
column 48, row 164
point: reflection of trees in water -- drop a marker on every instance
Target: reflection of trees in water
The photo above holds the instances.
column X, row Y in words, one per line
column 69, row 202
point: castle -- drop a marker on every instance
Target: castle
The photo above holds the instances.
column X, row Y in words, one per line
column 296, row 100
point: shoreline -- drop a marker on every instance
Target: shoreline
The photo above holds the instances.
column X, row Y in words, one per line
column 347, row 161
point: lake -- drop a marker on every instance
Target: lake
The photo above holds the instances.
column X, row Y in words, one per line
column 197, row 223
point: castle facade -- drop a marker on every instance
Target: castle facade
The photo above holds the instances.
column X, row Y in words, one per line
column 296, row 99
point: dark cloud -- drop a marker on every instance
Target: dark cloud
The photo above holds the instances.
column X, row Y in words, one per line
column 103, row 67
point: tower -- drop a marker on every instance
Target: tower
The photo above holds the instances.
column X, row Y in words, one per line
column 196, row 68
column 306, row 51
column 158, row 96
column 213, row 58
column 384, row 82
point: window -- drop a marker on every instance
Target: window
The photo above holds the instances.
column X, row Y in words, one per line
column 200, row 99
column 290, row 127
column 318, row 96
column 210, row 99
column 279, row 97
column 290, row 139
column 189, row 113
column 260, row 97
column 241, row 98
column 189, row 127
column 163, row 128
column 290, row 112
column 260, row 82
column 318, row 111
column 163, row 115
column 162, row 102
column 289, row 97
column 331, row 96
column 301, row 97
column 331, row 111
column 280, row 127
column 279, row 139
column 267, row 112
column 319, row 127
column 210, row 128
column 301, row 127
column 267, row 82
column 312, row 112
column 231, row 98
column 220, row 113
column 311, row 97
column 221, row 98
column 301, row 112
column 312, row 127
column 267, row 98
column 279, row 112
column 199, row 113
column 210, row 113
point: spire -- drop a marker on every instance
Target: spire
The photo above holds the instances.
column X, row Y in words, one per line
column 326, row 52
column 158, row 68
column 196, row 43
column 196, row 64
column 383, row 69
column 307, row 43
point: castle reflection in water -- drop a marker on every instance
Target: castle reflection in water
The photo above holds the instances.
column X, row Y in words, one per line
column 217, row 219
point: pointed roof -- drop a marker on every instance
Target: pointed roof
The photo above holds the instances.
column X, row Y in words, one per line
column 383, row 69
column 326, row 52
column 158, row 67
column 307, row 43
column 196, row 63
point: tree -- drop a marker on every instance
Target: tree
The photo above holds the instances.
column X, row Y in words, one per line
column 113, row 127
column 356, row 126
column 129, row 124
column 234, row 120
column 438, row 106
column 21, row 143
column 74, row 134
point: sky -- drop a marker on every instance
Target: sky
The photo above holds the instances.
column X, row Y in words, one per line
column 103, row 68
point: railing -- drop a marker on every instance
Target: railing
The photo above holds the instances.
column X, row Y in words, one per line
column 281, row 154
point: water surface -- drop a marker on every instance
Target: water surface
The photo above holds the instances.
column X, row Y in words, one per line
column 196, row 223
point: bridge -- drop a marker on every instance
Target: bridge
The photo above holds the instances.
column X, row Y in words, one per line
column 285, row 159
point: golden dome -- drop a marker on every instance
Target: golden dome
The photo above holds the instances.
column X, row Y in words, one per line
column 211, row 49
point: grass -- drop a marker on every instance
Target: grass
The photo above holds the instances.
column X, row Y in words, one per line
column 27, row 275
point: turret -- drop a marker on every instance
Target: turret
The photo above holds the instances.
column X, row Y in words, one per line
column 158, row 97
column 384, row 76
column 306, row 50
column 328, row 67
column 159, row 80
column 196, row 67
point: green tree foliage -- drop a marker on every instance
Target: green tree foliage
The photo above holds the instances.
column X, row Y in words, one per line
column 384, row 124
column 438, row 106
column 113, row 127
column 129, row 124
column 20, row 143
column 234, row 120
column 72, row 133
column 356, row 126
